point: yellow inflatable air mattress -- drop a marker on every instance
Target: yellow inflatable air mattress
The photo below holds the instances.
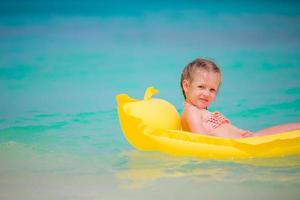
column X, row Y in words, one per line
column 154, row 124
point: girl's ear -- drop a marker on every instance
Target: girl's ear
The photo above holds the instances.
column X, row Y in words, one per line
column 185, row 85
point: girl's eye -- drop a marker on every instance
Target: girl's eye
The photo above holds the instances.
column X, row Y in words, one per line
column 212, row 90
column 200, row 86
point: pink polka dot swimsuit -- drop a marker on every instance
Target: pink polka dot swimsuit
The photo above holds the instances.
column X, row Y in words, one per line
column 215, row 119
column 212, row 120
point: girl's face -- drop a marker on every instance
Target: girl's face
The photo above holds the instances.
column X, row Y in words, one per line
column 202, row 90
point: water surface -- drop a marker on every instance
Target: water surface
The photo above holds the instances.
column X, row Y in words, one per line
column 62, row 63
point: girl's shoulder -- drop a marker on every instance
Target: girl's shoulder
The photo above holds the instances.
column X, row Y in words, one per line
column 193, row 111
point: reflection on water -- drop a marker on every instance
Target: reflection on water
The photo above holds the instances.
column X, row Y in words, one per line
column 143, row 169
column 134, row 174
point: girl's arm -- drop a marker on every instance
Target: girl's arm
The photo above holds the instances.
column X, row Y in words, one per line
column 194, row 119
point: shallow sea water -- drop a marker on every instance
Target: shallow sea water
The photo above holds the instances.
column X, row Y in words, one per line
column 62, row 63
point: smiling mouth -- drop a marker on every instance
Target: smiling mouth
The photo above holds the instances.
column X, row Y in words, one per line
column 204, row 100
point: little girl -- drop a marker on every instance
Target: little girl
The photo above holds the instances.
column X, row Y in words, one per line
column 200, row 82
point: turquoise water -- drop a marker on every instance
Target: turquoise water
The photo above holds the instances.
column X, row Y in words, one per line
column 62, row 63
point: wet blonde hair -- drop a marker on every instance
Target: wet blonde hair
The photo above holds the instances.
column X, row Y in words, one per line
column 199, row 63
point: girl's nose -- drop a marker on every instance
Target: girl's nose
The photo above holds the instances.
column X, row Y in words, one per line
column 206, row 93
